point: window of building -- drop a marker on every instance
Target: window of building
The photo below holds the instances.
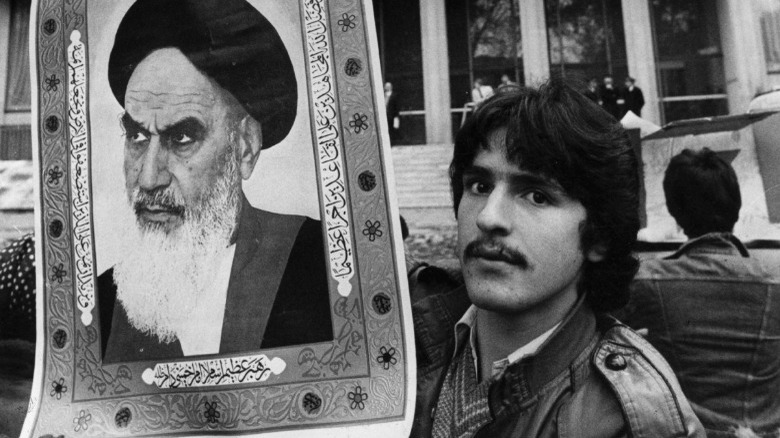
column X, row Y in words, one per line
column 484, row 42
column 494, row 44
column 15, row 138
column 769, row 14
column 689, row 59
column 586, row 39
column 400, row 52
column 18, row 83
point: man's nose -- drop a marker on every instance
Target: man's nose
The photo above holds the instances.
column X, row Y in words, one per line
column 154, row 166
column 496, row 213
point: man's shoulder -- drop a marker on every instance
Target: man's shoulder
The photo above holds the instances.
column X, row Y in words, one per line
column 651, row 268
column 303, row 229
column 705, row 267
column 642, row 383
column 438, row 302
column 302, row 234
column 269, row 217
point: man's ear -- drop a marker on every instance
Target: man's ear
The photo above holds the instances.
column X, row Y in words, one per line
column 250, row 143
column 596, row 253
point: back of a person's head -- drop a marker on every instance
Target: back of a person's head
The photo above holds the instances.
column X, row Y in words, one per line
column 702, row 192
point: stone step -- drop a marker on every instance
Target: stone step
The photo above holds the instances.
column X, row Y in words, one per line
column 421, row 175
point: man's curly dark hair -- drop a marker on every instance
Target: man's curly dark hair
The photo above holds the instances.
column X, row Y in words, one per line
column 558, row 133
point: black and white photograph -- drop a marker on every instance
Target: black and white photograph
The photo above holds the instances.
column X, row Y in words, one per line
column 423, row 218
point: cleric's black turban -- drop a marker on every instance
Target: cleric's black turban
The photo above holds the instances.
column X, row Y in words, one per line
column 228, row 40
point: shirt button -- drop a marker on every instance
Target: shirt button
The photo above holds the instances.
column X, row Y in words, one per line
column 433, row 412
column 616, row 362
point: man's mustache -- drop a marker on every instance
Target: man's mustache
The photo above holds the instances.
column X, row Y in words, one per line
column 491, row 249
column 158, row 199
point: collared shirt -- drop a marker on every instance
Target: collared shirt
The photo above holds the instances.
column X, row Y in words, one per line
column 468, row 322
column 201, row 332
column 463, row 406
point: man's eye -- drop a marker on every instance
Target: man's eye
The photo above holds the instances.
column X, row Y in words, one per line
column 181, row 139
column 137, row 137
column 479, row 187
column 537, row 197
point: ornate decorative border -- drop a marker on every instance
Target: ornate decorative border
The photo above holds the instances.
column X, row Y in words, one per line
column 78, row 130
column 333, row 189
column 358, row 378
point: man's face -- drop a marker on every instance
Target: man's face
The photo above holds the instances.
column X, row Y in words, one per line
column 176, row 137
column 518, row 235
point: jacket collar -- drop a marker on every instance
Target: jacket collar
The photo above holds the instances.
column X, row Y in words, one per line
column 712, row 243
column 568, row 345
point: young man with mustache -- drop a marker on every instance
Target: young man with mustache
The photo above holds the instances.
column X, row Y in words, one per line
column 545, row 187
column 206, row 86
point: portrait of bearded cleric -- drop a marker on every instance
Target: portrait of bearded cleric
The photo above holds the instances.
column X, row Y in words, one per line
column 206, row 87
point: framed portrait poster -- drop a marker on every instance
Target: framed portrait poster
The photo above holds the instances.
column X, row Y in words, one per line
column 218, row 242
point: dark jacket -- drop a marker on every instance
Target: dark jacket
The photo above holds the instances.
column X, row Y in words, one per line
column 609, row 101
column 593, row 377
column 714, row 312
column 277, row 294
column 634, row 100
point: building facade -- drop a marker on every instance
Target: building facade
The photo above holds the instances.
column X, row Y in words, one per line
column 691, row 58
column 15, row 139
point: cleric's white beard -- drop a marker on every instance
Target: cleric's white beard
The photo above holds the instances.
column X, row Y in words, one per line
column 162, row 277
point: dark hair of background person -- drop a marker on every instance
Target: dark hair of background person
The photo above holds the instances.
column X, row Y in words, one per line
column 702, row 192
column 558, row 133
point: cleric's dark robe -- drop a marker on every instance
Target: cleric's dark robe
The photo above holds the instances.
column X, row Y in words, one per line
column 277, row 294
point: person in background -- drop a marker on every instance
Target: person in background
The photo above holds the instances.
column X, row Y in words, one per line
column 545, row 191
column 711, row 308
column 633, row 99
column 506, row 82
column 507, row 85
column 609, row 97
column 393, row 114
column 592, row 92
column 480, row 91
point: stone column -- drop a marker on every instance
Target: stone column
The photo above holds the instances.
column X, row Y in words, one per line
column 640, row 52
column 436, row 72
column 743, row 53
column 533, row 31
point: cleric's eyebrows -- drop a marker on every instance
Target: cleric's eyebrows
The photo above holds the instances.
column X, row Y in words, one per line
column 131, row 125
column 190, row 126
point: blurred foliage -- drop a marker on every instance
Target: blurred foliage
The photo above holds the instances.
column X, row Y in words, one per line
column 494, row 29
